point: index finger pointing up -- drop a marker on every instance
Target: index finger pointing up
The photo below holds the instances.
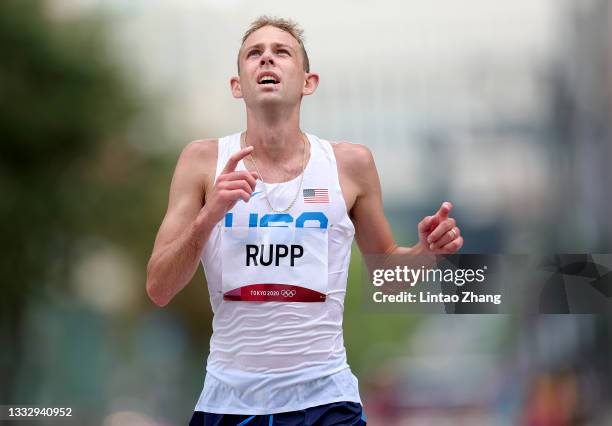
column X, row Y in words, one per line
column 440, row 215
column 444, row 210
column 235, row 158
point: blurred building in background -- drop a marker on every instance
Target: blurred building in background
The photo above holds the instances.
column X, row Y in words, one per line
column 582, row 117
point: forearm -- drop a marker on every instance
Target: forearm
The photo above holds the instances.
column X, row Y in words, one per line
column 169, row 271
column 414, row 250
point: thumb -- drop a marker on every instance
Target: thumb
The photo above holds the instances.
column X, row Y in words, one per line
column 444, row 210
column 440, row 215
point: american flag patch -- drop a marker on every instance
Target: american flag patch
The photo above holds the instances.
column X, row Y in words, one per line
column 316, row 195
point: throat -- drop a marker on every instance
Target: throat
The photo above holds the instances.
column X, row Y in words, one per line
column 271, row 171
column 277, row 161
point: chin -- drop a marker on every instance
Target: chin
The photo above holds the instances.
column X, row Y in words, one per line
column 270, row 99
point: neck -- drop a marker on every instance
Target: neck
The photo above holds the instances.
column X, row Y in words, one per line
column 276, row 135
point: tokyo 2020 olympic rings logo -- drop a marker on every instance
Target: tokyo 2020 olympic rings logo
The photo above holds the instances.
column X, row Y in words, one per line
column 287, row 293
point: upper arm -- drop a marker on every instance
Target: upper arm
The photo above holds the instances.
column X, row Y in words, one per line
column 194, row 170
column 360, row 181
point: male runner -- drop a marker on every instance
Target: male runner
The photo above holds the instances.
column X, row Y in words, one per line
column 271, row 213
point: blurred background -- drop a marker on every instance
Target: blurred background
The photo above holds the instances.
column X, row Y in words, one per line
column 502, row 108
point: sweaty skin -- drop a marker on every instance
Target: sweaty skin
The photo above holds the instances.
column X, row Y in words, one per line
column 197, row 203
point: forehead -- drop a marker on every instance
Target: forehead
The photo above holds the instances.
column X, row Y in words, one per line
column 268, row 35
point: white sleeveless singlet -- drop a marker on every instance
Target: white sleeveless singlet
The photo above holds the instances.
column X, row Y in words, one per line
column 269, row 354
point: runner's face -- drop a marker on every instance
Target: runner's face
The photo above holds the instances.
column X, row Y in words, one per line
column 271, row 68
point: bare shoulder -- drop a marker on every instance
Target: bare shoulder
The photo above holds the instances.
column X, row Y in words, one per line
column 201, row 150
column 353, row 159
column 352, row 151
column 356, row 170
column 199, row 160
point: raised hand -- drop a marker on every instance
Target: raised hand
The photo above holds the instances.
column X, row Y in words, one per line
column 231, row 186
column 438, row 234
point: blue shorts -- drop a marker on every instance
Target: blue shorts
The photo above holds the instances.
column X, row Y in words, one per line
column 336, row 413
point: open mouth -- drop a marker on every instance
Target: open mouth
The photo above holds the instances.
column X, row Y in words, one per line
column 268, row 79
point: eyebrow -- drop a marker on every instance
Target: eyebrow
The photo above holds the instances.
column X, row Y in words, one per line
column 274, row 45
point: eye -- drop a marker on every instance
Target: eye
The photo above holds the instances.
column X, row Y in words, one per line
column 283, row 52
column 252, row 53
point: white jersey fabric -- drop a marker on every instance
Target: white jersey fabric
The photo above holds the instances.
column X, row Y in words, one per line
column 272, row 356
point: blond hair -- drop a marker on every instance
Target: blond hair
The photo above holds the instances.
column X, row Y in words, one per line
column 286, row 25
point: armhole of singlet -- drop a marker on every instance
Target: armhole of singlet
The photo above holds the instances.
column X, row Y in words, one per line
column 328, row 146
column 224, row 146
column 221, row 144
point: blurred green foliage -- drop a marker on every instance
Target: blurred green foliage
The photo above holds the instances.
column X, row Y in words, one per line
column 65, row 169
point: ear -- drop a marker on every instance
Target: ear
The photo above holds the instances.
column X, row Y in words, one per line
column 311, row 82
column 235, row 85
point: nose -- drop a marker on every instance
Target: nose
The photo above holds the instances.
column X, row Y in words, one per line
column 266, row 58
